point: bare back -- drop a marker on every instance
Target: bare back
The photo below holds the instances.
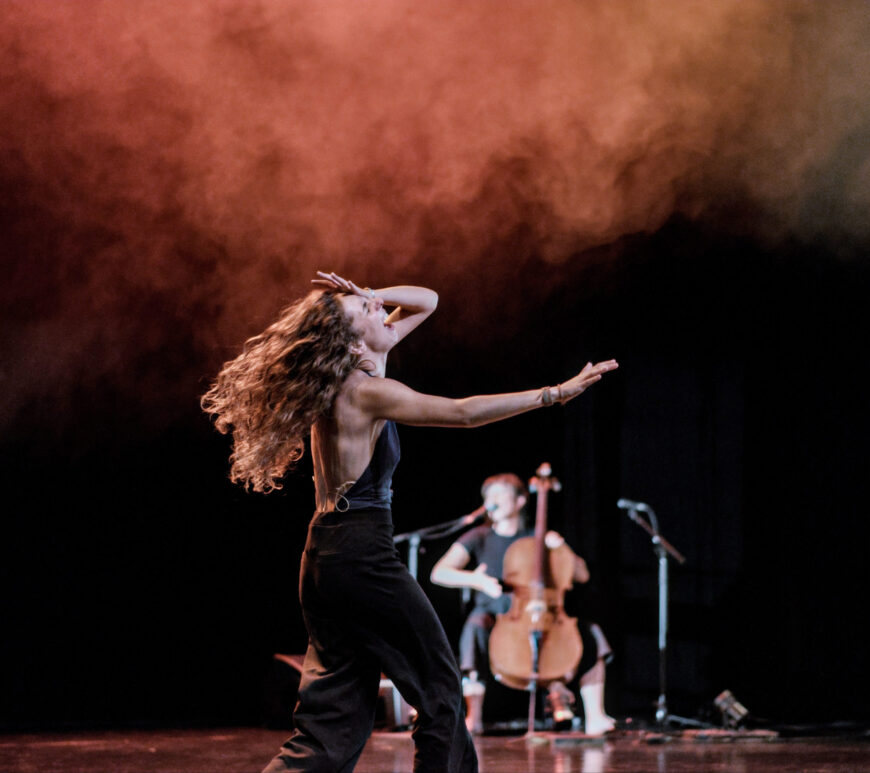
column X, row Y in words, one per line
column 342, row 444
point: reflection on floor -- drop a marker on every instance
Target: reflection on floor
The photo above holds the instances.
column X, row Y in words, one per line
column 246, row 750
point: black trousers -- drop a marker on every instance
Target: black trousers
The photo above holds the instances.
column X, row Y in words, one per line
column 365, row 615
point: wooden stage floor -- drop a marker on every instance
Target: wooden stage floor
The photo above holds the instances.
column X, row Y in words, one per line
column 246, row 750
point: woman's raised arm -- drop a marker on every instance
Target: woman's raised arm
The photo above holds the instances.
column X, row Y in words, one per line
column 411, row 305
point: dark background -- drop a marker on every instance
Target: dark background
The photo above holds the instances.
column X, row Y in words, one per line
column 682, row 186
column 142, row 586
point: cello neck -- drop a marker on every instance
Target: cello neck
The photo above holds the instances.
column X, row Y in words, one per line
column 541, row 485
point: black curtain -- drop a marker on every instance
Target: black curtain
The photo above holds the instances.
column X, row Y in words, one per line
column 141, row 585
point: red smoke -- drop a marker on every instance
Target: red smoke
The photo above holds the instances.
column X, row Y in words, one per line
column 176, row 170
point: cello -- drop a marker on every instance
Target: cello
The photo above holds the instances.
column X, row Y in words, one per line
column 535, row 642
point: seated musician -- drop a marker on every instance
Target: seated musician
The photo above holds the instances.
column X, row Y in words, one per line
column 483, row 549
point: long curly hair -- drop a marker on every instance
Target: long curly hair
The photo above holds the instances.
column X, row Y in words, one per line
column 283, row 381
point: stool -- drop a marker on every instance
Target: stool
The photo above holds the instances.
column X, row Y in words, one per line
column 396, row 709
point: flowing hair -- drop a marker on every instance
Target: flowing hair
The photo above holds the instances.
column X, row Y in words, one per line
column 283, row 381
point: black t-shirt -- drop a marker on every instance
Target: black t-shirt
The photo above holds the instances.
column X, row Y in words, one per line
column 486, row 547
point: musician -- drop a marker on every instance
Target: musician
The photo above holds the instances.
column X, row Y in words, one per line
column 483, row 549
column 320, row 370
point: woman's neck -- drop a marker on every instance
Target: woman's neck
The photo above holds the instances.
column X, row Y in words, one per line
column 374, row 365
column 508, row 527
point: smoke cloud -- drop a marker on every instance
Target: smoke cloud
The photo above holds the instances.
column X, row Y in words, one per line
column 173, row 171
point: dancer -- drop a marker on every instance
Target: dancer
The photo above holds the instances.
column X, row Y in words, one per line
column 319, row 370
column 483, row 548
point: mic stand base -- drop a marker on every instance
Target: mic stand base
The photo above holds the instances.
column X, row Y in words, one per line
column 665, row 719
column 674, row 720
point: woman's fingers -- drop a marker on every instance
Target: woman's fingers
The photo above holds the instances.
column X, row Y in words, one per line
column 598, row 370
column 335, row 282
column 590, row 375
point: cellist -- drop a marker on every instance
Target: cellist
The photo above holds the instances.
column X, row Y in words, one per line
column 475, row 561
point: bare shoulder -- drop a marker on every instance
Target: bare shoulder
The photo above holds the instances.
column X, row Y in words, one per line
column 369, row 394
column 348, row 401
column 355, row 380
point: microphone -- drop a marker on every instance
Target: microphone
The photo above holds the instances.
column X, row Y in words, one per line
column 630, row 504
column 475, row 515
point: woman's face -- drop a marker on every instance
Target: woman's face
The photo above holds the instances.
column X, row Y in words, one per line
column 502, row 501
column 369, row 320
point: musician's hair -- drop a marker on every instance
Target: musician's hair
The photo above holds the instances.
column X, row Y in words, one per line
column 509, row 479
column 283, row 381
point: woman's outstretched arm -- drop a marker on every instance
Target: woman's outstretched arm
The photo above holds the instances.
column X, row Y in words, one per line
column 385, row 398
column 411, row 305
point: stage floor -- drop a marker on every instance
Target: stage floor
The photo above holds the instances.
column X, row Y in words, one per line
column 246, row 750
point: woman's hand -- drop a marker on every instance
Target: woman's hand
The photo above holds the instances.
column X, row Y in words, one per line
column 333, row 281
column 486, row 583
column 569, row 389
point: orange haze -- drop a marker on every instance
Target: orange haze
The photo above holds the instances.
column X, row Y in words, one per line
column 196, row 161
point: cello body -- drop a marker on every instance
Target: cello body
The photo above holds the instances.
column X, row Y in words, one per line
column 535, row 642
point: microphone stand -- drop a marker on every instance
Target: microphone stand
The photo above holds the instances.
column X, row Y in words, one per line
column 662, row 549
column 413, row 538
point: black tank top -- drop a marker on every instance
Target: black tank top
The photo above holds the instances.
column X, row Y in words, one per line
column 373, row 488
column 486, row 547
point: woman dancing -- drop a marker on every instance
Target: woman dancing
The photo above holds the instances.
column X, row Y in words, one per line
column 319, row 370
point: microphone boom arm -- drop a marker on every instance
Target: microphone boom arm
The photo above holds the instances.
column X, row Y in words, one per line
column 653, row 531
column 413, row 538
